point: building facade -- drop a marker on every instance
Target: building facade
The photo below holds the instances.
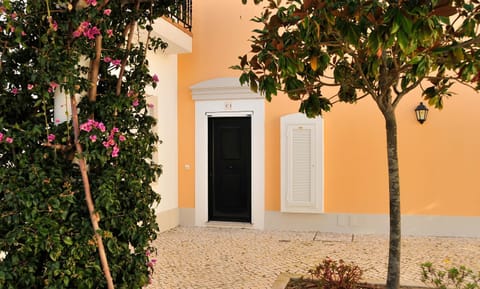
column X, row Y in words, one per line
column 231, row 158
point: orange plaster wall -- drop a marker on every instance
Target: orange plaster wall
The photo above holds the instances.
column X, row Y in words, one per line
column 221, row 30
column 439, row 160
column 279, row 106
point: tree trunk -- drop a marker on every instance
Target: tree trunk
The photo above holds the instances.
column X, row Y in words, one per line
column 94, row 218
column 393, row 275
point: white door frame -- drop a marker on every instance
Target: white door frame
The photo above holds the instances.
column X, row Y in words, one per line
column 226, row 98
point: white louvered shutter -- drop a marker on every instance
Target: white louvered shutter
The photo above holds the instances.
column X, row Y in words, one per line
column 302, row 164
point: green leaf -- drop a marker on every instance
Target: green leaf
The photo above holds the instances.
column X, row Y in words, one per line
column 111, row 245
column 293, row 84
column 468, row 6
column 253, row 81
column 347, row 94
column 405, row 23
column 373, row 42
column 67, row 240
column 402, row 39
column 395, row 27
column 54, row 254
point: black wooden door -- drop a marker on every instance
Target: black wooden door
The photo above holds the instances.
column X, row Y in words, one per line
column 229, row 169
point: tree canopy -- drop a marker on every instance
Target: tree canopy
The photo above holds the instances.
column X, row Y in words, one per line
column 382, row 49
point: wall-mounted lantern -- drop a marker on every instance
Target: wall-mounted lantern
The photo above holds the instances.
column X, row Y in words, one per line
column 421, row 112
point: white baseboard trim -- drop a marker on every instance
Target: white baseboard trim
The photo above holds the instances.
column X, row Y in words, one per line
column 412, row 225
column 168, row 219
column 415, row 225
column 187, row 217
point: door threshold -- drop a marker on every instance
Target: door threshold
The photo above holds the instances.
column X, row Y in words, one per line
column 222, row 224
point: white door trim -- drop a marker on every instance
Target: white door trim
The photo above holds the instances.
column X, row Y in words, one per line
column 225, row 108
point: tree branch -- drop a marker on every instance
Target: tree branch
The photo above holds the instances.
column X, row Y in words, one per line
column 356, row 99
column 369, row 86
column 405, row 91
column 94, row 68
column 130, row 31
column 94, row 217
column 462, row 82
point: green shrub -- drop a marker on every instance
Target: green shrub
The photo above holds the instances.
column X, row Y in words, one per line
column 455, row 277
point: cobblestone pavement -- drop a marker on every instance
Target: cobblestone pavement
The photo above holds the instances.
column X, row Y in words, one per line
column 233, row 258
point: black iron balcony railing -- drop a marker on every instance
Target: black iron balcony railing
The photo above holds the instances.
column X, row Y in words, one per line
column 181, row 12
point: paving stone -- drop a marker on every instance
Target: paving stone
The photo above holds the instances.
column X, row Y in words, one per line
column 234, row 258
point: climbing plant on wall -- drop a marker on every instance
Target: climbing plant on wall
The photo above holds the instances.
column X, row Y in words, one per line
column 76, row 143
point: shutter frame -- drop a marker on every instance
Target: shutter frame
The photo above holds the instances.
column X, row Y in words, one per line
column 301, row 164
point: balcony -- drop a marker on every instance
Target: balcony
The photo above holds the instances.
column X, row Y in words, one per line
column 181, row 13
column 175, row 27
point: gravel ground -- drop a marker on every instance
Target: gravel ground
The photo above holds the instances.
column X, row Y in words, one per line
column 233, row 258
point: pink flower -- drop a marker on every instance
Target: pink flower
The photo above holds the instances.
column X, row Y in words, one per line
column 53, row 23
column 57, row 121
column 7, row 139
column 51, row 137
column 81, row 29
column 155, row 78
column 91, row 33
column 107, row 12
column 53, row 85
column 122, row 138
column 30, row 86
column 116, row 62
column 84, row 25
column 93, row 138
column 92, row 2
column 151, row 263
column 135, row 102
column 115, row 130
column 101, row 127
column 107, row 59
column 15, row 90
column 115, row 151
column 110, row 32
column 109, row 143
column 77, row 33
column 86, row 127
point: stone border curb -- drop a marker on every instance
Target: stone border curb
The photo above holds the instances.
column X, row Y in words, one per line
column 284, row 277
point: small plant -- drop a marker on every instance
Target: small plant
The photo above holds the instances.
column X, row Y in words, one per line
column 333, row 274
column 459, row 277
